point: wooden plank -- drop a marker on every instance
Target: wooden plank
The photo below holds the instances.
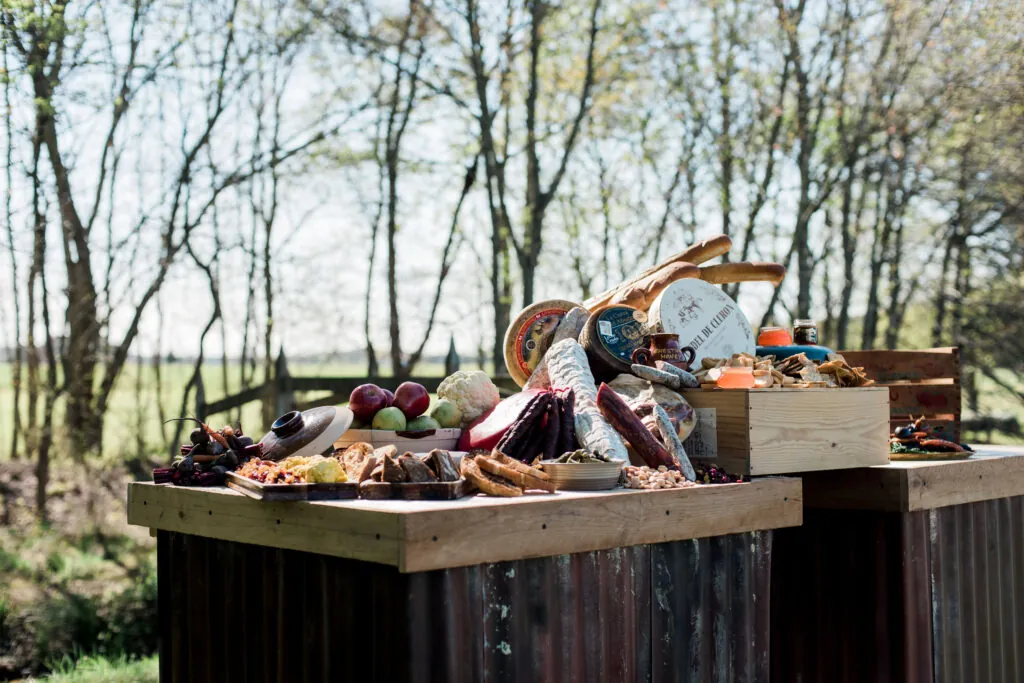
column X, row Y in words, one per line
column 422, row 535
column 547, row 526
column 823, row 429
column 907, row 486
column 428, row 490
column 224, row 514
column 924, row 399
column 886, row 366
column 964, row 481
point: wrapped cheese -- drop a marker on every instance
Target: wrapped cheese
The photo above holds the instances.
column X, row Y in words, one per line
column 567, row 368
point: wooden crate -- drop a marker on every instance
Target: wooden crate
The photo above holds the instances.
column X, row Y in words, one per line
column 778, row 431
column 923, row 383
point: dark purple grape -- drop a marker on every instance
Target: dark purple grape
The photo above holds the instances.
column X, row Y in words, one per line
column 199, row 435
column 186, row 465
column 245, row 441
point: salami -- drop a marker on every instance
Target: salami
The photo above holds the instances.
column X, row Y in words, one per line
column 568, row 369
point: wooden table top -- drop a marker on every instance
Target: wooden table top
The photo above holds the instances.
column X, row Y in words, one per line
column 423, row 535
column 910, row 485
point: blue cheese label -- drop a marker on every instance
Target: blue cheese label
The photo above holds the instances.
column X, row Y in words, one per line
column 620, row 332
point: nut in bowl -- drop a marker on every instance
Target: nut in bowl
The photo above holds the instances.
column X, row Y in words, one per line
column 579, row 471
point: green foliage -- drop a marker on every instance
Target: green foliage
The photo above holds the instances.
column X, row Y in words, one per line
column 97, row 669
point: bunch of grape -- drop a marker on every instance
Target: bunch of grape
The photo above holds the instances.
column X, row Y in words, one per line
column 709, row 474
column 208, row 457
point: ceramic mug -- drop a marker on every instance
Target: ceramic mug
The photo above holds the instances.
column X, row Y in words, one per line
column 665, row 347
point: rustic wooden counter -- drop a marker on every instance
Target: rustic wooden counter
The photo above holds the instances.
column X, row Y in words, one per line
column 423, row 535
column 910, row 571
column 626, row 585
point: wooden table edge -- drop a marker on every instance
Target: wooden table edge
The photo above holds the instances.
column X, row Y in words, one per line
column 405, row 539
column 916, row 486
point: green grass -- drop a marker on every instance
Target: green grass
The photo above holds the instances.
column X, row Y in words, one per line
column 93, row 669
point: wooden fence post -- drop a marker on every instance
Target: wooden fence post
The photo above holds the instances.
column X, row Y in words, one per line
column 284, row 396
column 451, row 361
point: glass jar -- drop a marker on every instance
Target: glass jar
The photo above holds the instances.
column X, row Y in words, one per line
column 805, row 332
column 736, row 378
column 774, row 336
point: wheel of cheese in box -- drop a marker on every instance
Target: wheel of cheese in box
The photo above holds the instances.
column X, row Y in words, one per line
column 705, row 318
column 529, row 336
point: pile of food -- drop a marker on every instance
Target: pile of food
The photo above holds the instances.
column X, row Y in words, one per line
column 208, row 457
column 496, row 474
column 296, row 469
column 362, row 462
column 403, row 410
column 796, row 371
column 654, row 479
column 917, row 438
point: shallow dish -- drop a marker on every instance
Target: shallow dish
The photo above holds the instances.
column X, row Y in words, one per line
column 590, row 476
column 417, row 442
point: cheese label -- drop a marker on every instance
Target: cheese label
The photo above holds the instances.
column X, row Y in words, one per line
column 620, row 332
column 703, row 440
column 705, row 318
column 534, row 337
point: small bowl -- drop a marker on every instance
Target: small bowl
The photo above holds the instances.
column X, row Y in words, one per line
column 589, row 476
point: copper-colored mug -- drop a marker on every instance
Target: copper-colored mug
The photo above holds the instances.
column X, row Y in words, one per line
column 665, row 347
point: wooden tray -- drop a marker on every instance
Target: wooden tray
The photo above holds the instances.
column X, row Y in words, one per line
column 945, row 455
column 285, row 492
column 434, row 490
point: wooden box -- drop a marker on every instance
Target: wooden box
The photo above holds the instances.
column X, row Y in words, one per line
column 778, row 431
column 923, row 383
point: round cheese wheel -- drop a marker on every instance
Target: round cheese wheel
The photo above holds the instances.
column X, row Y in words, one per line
column 705, row 318
column 610, row 337
column 529, row 336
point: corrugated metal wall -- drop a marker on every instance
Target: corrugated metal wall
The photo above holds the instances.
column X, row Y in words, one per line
column 684, row 611
column 861, row 596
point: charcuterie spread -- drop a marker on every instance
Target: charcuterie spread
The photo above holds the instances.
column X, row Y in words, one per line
column 602, row 402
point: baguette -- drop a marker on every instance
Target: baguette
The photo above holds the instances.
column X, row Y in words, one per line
column 696, row 254
column 743, row 271
column 487, row 482
column 520, row 479
column 643, row 293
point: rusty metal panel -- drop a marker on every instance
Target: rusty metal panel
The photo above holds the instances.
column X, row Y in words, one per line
column 839, row 609
column 977, row 578
column 686, row 611
column 711, row 609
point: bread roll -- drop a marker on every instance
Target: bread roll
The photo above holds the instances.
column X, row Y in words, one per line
column 643, row 293
column 706, row 250
column 743, row 271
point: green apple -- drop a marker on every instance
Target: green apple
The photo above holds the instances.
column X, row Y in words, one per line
column 447, row 414
column 422, row 424
column 390, row 419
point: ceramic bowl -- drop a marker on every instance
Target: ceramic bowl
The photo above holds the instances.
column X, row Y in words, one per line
column 591, row 476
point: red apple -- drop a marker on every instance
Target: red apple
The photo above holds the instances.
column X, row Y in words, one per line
column 391, row 397
column 412, row 399
column 365, row 400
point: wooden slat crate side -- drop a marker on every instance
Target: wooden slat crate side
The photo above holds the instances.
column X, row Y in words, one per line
column 924, row 399
column 885, row 366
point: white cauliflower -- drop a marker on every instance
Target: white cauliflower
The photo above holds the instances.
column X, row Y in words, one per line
column 472, row 392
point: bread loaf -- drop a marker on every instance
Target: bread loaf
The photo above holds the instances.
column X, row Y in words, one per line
column 743, row 271
column 642, row 294
column 696, row 254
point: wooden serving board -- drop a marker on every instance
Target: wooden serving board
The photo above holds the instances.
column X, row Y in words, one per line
column 946, row 455
column 432, row 490
column 286, row 492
